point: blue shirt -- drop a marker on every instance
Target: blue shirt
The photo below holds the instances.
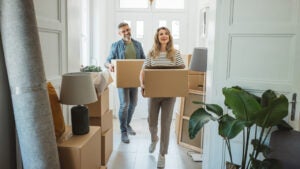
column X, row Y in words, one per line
column 117, row 50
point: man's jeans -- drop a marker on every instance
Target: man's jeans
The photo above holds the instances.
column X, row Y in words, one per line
column 128, row 101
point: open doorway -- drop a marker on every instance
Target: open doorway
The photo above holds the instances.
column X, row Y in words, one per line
column 144, row 18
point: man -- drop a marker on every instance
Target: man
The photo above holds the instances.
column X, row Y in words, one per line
column 126, row 48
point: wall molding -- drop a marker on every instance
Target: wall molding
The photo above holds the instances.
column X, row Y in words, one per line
column 229, row 56
column 60, row 54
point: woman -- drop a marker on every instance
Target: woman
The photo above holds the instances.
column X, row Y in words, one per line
column 162, row 55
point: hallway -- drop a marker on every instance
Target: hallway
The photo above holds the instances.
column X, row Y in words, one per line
column 136, row 156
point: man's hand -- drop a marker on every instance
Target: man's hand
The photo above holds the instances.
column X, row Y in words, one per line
column 111, row 67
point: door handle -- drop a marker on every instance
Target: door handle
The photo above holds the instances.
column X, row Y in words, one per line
column 294, row 101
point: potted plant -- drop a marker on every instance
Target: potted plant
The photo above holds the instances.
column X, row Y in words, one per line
column 91, row 68
column 247, row 111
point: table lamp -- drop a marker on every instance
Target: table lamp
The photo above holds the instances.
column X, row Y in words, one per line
column 78, row 89
column 199, row 62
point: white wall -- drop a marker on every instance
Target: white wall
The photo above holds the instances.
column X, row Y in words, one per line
column 98, row 31
column 74, row 35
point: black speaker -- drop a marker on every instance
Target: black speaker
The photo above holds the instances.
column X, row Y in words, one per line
column 80, row 120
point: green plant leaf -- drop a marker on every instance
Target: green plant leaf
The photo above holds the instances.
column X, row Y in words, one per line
column 258, row 99
column 264, row 149
column 230, row 127
column 198, row 102
column 197, row 121
column 244, row 106
column 276, row 110
column 215, row 109
column 267, row 97
column 211, row 107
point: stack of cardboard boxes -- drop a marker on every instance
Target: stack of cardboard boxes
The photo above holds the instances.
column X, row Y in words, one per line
column 100, row 115
column 80, row 151
column 91, row 150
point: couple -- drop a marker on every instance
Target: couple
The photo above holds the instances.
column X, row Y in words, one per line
column 161, row 54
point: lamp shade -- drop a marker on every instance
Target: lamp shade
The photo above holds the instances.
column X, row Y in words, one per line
column 77, row 89
column 199, row 60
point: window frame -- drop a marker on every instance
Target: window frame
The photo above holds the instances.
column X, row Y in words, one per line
column 151, row 8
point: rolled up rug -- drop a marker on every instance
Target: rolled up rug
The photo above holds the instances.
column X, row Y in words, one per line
column 7, row 124
column 27, row 82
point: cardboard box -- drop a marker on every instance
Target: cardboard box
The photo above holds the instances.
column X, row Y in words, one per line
column 127, row 72
column 166, row 82
column 197, row 81
column 106, row 146
column 105, row 121
column 101, row 80
column 103, row 167
column 81, row 151
column 101, row 106
column 186, row 60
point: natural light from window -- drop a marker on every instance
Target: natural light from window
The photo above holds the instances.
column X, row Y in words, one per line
column 175, row 29
column 85, row 52
column 134, row 3
column 169, row 4
column 162, row 23
column 139, row 29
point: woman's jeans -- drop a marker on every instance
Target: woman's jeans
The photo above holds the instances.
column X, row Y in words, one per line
column 128, row 101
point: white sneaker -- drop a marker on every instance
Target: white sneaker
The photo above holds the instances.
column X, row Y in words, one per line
column 161, row 161
column 153, row 146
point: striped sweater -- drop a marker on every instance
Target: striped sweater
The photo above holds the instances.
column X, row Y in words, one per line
column 163, row 61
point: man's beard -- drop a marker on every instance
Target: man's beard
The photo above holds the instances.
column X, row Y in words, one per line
column 127, row 37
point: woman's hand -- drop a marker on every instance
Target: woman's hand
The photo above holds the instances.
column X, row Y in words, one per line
column 111, row 67
column 142, row 82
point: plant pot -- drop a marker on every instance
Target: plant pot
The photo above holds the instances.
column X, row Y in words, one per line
column 230, row 165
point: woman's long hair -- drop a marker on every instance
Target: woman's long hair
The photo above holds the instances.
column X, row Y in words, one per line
column 154, row 52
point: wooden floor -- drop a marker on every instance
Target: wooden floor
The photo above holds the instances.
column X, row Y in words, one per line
column 136, row 156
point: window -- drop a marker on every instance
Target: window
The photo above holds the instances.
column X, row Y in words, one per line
column 167, row 4
column 162, row 23
column 157, row 4
column 134, row 3
column 139, row 29
column 175, row 29
column 85, row 36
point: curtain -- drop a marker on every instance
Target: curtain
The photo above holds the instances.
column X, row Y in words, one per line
column 27, row 83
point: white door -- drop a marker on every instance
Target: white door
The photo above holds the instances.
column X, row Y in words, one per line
column 143, row 23
column 257, row 48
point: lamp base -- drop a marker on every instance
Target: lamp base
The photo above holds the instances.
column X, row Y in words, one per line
column 80, row 120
